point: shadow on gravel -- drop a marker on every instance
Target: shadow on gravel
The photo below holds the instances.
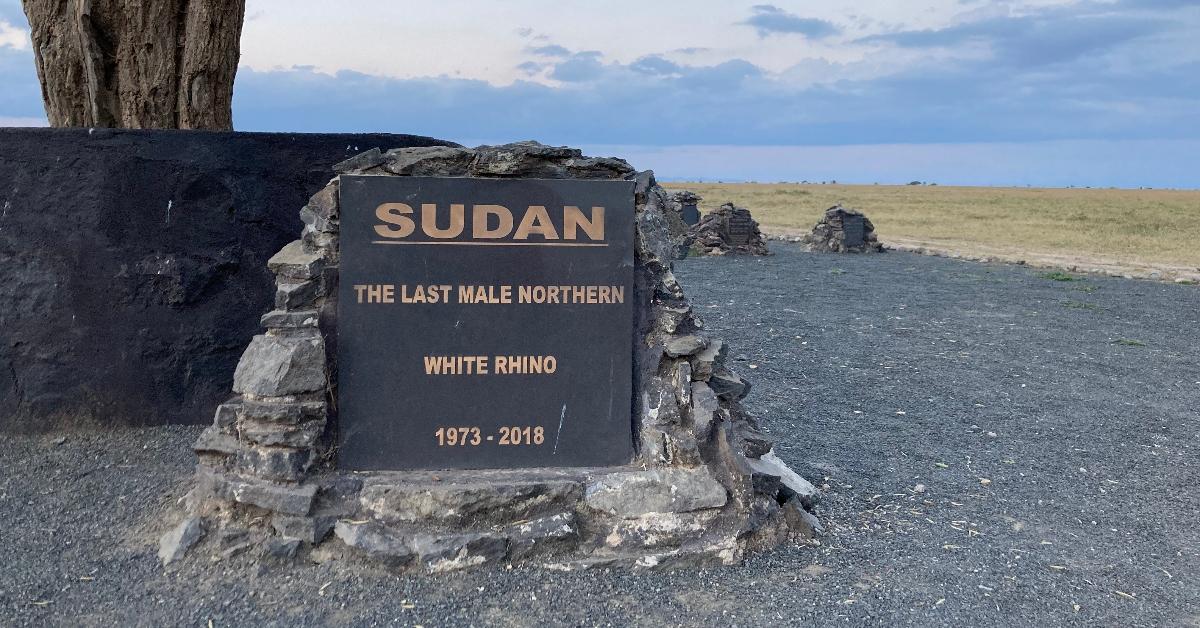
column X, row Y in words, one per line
column 999, row 448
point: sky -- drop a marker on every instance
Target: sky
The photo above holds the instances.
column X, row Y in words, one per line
column 975, row 92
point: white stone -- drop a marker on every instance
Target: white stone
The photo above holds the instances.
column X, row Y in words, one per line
column 770, row 464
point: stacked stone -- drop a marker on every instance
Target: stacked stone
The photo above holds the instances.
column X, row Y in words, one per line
column 680, row 214
column 727, row 229
column 703, row 488
column 843, row 230
column 683, row 198
column 257, row 458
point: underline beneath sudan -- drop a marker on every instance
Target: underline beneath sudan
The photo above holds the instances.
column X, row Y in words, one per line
column 564, row 244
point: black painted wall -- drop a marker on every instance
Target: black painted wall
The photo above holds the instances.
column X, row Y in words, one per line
column 133, row 264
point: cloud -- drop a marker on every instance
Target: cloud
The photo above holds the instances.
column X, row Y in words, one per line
column 14, row 27
column 1047, row 37
column 551, row 50
column 20, row 92
column 11, row 12
column 728, row 75
column 1158, row 4
column 27, row 121
column 590, row 67
column 531, row 68
column 604, row 101
column 579, row 67
column 13, row 37
column 655, row 65
column 656, row 101
column 1091, row 70
column 772, row 20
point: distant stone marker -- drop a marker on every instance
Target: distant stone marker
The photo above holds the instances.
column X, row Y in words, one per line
column 854, row 231
column 843, row 230
column 741, row 228
column 687, row 203
column 680, row 213
column 727, row 229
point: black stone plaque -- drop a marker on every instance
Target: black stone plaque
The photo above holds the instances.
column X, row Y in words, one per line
column 741, row 227
column 690, row 214
column 485, row 323
column 853, row 230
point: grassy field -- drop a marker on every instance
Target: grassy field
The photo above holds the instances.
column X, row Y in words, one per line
column 1130, row 226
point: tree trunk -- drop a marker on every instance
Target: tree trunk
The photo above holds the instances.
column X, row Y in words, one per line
column 142, row 64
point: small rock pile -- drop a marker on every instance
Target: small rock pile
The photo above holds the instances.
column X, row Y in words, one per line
column 703, row 488
column 686, row 203
column 727, row 229
column 680, row 213
column 843, row 230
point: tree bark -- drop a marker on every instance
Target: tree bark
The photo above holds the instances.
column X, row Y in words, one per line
column 142, row 64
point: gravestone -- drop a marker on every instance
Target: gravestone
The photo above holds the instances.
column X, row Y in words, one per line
column 727, row 229
column 843, row 230
column 688, row 204
column 680, row 213
column 854, row 231
column 357, row 432
column 466, row 321
column 741, row 228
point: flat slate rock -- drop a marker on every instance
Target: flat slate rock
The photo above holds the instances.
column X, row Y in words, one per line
column 375, row 541
column 471, row 497
column 280, row 497
column 275, row 366
column 770, row 464
column 178, row 540
column 442, row 553
column 635, row 493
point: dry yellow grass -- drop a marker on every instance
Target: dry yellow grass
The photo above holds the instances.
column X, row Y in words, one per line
column 1133, row 226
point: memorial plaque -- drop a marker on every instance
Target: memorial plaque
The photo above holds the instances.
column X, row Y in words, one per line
column 690, row 214
column 485, row 323
column 741, row 227
column 854, row 231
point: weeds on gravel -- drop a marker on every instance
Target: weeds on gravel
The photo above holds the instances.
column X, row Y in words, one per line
column 837, row 271
column 1086, row 288
column 1059, row 275
column 1128, row 342
column 1081, row 305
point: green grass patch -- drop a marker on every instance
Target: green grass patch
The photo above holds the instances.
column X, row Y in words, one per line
column 1059, row 275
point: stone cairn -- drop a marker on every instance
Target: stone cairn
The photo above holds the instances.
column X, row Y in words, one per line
column 727, row 229
column 704, row 488
column 843, row 230
column 687, row 203
column 682, row 211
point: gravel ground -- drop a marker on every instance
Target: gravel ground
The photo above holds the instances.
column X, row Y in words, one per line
column 1000, row 448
